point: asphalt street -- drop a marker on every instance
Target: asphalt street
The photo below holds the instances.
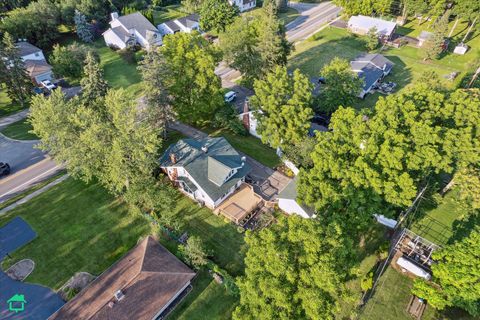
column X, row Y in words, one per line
column 312, row 17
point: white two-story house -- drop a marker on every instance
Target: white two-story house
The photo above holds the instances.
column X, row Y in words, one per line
column 184, row 24
column 207, row 170
column 130, row 30
column 243, row 5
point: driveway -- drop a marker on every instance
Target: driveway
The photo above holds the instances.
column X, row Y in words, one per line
column 42, row 302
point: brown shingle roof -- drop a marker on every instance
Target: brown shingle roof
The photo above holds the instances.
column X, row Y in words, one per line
column 149, row 277
column 37, row 67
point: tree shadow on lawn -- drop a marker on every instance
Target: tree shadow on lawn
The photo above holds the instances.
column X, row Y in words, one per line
column 221, row 237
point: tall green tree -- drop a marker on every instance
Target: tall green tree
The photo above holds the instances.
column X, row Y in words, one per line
column 239, row 46
column 341, row 88
column 282, row 105
column 409, row 138
column 38, row 23
column 157, row 98
column 13, row 73
column 190, row 78
column 68, row 61
column 273, row 45
column 83, row 28
column 433, row 47
column 94, row 85
column 195, row 252
column 192, row 6
column 455, row 276
column 216, row 15
column 371, row 39
column 295, row 269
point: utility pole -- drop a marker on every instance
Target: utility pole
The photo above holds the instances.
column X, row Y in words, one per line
column 474, row 77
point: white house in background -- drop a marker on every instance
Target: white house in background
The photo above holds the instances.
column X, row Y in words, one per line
column 206, row 170
column 243, row 5
column 371, row 67
column 132, row 29
column 361, row 24
column 184, row 24
column 37, row 66
column 287, row 201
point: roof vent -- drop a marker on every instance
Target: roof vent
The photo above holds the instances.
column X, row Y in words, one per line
column 205, row 149
column 111, row 304
column 119, row 295
column 244, row 159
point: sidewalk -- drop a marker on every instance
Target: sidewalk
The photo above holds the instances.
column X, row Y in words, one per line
column 5, row 121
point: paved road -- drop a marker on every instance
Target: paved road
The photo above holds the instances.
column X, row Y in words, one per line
column 312, row 17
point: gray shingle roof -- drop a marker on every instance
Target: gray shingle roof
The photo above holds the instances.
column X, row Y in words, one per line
column 138, row 22
column 290, row 192
column 26, row 48
column 190, row 20
column 209, row 169
column 172, row 26
column 370, row 67
column 121, row 33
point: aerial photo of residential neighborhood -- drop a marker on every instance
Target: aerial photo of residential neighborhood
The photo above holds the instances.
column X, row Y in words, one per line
column 239, row 159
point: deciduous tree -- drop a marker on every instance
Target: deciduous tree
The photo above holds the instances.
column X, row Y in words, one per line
column 13, row 73
column 341, row 87
column 371, row 39
column 216, row 15
column 68, row 61
column 38, row 23
column 194, row 252
column 455, row 276
column 191, row 81
column 283, row 107
column 294, row 270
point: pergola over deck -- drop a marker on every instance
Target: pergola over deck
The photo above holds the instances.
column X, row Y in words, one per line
column 240, row 204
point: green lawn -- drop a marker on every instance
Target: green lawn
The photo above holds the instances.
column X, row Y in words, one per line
column 79, row 228
column 249, row 145
column 168, row 13
column 311, row 55
column 19, row 130
column 391, row 298
column 6, row 105
column 207, row 301
column 289, row 15
column 437, row 223
column 220, row 236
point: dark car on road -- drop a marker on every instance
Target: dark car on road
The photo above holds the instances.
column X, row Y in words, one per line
column 4, row 169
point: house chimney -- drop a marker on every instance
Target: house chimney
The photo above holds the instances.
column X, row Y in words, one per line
column 205, row 149
column 114, row 16
column 173, row 158
column 119, row 295
column 111, row 304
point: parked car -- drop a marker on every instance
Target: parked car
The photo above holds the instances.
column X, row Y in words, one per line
column 4, row 169
column 48, row 84
column 230, row 96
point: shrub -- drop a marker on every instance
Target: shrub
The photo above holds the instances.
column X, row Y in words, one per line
column 367, row 281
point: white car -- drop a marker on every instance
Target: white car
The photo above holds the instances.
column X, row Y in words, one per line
column 230, row 96
column 49, row 85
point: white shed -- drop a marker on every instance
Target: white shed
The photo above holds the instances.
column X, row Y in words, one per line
column 287, row 201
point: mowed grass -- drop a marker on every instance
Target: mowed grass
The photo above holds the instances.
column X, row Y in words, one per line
column 221, row 237
column 7, row 107
column 438, row 224
column 310, row 56
column 168, row 13
column 19, row 130
column 79, row 227
column 391, row 299
column 208, row 300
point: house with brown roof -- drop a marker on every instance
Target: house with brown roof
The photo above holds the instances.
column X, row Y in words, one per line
column 37, row 66
column 140, row 286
